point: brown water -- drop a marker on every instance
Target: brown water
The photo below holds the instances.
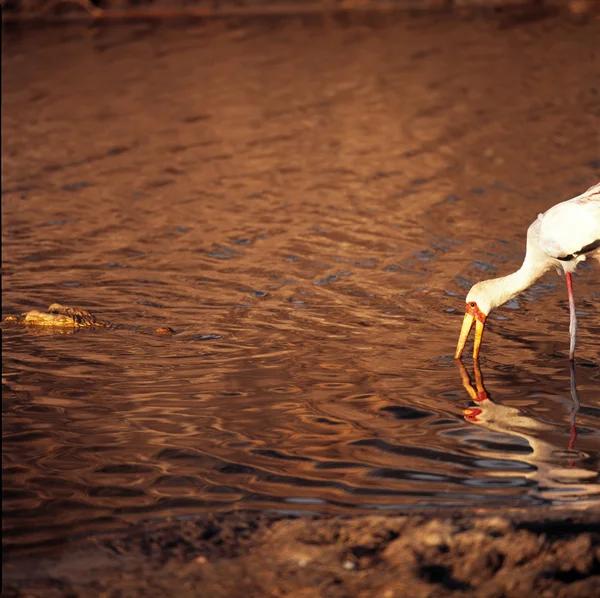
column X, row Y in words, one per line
column 306, row 204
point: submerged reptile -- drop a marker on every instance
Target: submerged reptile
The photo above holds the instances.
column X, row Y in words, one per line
column 67, row 318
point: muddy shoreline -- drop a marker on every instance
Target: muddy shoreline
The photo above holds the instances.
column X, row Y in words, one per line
column 479, row 553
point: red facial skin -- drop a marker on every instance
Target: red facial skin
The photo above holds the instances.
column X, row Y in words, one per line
column 474, row 310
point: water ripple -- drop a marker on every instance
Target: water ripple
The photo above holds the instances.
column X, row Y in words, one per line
column 310, row 240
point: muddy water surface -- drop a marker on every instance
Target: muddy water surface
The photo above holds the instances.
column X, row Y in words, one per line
column 306, row 205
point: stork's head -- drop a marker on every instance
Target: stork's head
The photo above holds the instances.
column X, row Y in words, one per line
column 479, row 303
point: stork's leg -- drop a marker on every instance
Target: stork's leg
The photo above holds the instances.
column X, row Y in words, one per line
column 573, row 319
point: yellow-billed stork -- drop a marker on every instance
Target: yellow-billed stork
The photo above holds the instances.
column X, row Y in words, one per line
column 560, row 238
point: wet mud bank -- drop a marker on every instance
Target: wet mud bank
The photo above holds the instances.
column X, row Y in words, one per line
column 517, row 553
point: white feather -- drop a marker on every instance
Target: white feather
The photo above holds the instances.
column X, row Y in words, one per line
column 568, row 227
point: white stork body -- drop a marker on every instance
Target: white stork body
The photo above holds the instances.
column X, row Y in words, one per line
column 562, row 237
column 569, row 232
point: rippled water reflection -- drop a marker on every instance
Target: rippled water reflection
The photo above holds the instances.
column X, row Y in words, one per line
column 306, row 205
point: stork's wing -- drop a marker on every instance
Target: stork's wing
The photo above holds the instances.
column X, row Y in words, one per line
column 570, row 228
column 592, row 194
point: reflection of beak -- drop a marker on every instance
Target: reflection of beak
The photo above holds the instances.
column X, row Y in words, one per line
column 479, row 393
column 464, row 335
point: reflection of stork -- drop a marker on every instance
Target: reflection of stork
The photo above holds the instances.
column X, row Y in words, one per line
column 555, row 478
column 560, row 238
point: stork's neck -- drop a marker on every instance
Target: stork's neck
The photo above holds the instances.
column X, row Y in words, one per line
column 507, row 287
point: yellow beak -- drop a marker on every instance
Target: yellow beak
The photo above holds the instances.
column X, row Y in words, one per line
column 464, row 335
